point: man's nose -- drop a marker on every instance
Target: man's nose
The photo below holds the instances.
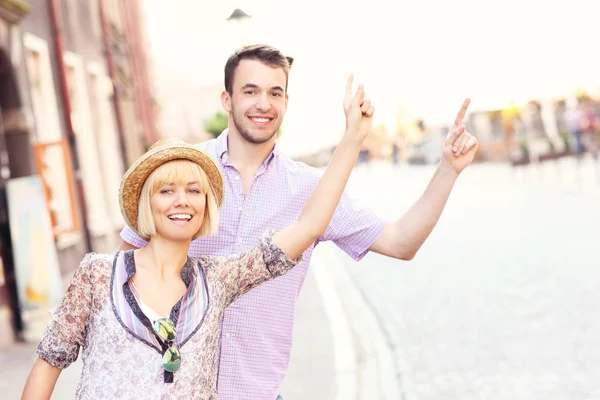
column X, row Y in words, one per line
column 263, row 102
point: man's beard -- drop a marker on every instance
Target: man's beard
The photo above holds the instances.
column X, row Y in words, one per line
column 241, row 125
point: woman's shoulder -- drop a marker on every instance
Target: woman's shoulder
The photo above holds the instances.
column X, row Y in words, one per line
column 98, row 260
column 264, row 245
column 97, row 264
column 212, row 261
column 206, row 262
column 212, row 265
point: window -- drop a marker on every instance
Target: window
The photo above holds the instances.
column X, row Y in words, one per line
column 107, row 139
column 47, row 135
column 94, row 11
column 83, row 125
column 4, row 34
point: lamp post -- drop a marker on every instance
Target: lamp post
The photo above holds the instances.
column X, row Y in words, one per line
column 239, row 19
column 238, row 15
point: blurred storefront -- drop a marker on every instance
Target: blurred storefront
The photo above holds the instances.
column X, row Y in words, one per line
column 64, row 143
column 15, row 160
column 532, row 130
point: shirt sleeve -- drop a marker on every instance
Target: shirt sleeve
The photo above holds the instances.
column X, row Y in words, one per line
column 243, row 272
column 67, row 330
column 354, row 227
column 128, row 235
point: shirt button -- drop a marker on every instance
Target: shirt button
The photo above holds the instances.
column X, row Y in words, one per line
column 228, row 336
column 237, row 178
column 240, row 209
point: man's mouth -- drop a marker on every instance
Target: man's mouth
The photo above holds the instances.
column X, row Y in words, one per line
column 261, row 120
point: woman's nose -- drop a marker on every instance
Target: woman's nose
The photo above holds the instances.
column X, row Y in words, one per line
column 182, row 198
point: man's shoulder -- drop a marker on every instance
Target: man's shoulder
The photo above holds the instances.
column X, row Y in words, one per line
column 299, row 168
column 210, row 146
column 298, row 176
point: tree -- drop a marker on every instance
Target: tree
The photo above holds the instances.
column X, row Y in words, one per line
column 217, row 123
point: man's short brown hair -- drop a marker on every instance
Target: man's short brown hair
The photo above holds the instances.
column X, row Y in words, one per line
column 265, row 54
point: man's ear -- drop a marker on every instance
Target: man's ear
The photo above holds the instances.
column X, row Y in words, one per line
column 226, row 101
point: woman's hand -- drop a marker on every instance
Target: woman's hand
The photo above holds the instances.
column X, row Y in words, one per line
column 359, row 112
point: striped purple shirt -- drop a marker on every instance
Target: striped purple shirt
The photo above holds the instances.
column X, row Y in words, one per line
column 256, row 336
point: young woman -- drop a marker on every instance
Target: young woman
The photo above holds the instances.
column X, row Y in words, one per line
column 149, row 320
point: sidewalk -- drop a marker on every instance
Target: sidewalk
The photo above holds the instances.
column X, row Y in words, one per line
column 311, row 373
column 15, row 366
column 16, row 363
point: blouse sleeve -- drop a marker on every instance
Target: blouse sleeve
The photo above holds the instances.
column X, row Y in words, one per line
column 241, row 272
column 67, row 330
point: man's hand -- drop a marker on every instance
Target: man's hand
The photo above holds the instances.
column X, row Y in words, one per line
column 359, row 112
column 460, row 146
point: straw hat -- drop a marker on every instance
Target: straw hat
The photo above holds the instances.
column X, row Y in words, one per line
column 161, row 152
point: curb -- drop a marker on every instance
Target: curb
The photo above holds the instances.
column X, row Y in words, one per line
column 365, row 367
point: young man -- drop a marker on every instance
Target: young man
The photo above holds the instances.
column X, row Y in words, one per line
column 266, row 190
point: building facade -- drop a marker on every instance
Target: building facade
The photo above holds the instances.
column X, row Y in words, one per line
column 77, row 116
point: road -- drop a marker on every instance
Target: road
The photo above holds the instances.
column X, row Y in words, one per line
column 500, row 302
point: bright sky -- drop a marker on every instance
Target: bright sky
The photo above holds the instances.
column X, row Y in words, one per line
column 425, row 56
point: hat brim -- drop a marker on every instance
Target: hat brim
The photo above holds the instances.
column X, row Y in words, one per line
column 136, row 175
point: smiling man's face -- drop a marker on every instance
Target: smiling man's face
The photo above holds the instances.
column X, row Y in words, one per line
column 257, row 101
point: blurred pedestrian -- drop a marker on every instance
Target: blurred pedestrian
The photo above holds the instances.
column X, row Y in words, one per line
column 573, row 118
column 589, row 129
column 395, row 151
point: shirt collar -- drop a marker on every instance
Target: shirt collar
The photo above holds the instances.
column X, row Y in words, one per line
column 222, row 149
column 187, row 272
column 222, row 144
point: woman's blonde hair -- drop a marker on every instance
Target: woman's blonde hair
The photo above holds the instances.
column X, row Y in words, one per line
column 177, row 172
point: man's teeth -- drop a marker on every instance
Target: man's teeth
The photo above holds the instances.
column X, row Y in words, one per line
column 261, row 120
column 180, row 216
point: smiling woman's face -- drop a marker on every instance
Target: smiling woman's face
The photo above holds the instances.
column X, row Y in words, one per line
column 178, row 209
column 174, row 201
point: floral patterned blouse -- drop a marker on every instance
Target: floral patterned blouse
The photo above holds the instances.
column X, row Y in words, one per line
column 120, row 360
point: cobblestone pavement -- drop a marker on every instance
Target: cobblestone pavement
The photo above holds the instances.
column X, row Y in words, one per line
column 500, row 302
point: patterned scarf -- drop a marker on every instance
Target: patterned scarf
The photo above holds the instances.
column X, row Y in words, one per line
column 187, row 314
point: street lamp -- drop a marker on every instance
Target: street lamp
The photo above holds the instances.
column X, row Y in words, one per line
column 238, row 15
column 239, row 19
